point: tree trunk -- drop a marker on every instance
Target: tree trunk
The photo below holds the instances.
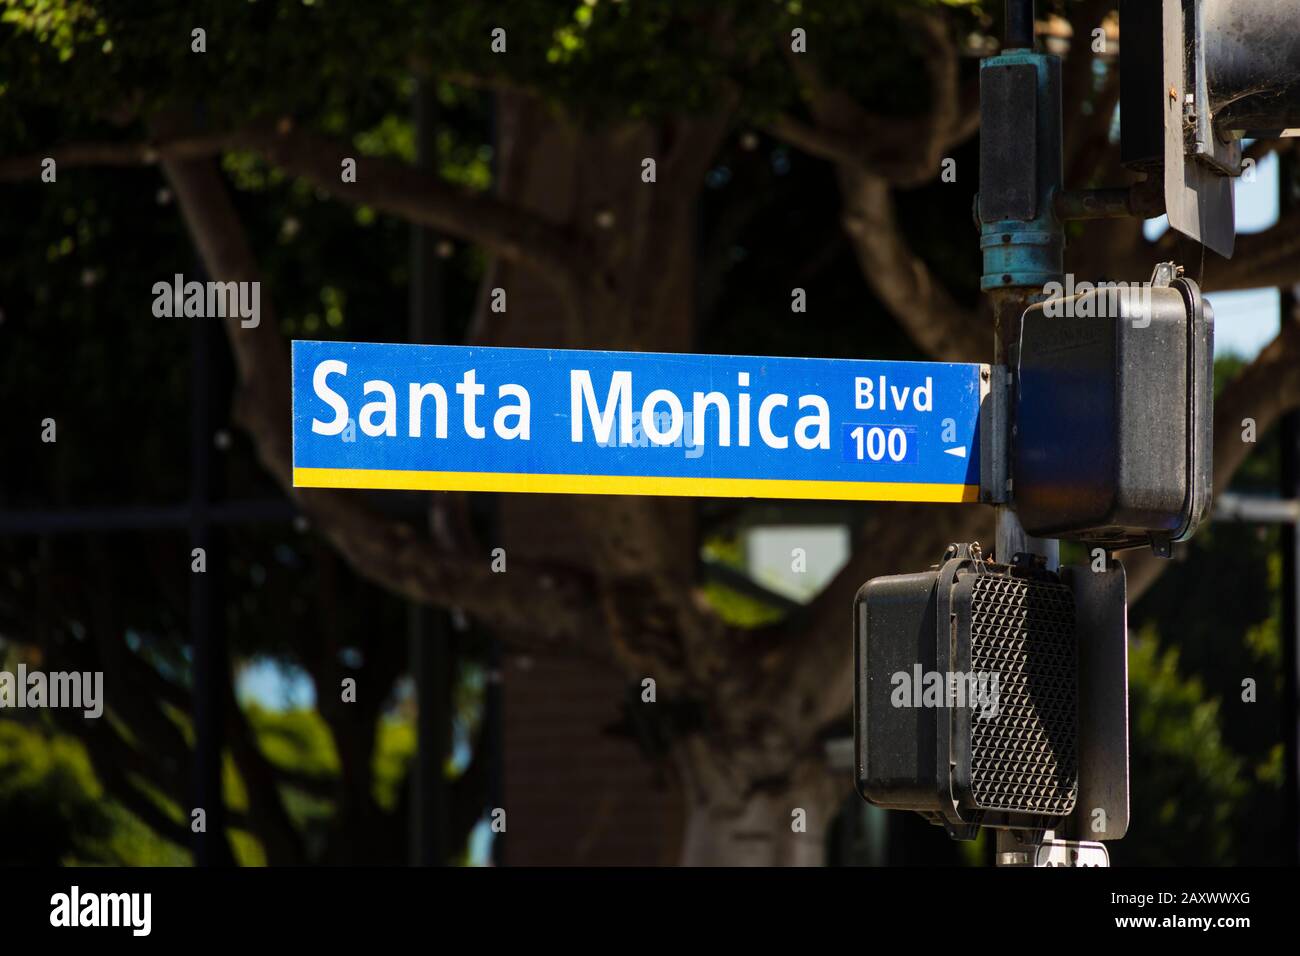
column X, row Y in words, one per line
column 781, row 822
column 740, row 809
column 641, row 298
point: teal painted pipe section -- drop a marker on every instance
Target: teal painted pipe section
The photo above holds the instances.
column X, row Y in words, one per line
column 1030, row 253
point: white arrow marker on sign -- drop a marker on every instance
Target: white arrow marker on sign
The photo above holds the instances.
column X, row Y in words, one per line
column 958, row 452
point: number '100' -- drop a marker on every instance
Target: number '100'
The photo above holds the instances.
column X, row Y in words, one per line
column 875, row 443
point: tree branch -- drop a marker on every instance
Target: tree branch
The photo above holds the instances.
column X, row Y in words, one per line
column 75, row 155
column 832, row 145
column 1264, row 390
column 388, row 185
column 112, row 760
column 901, row 279
column 1265, row 259
column 542, row 602
column 887, row 146
column 423, row 199
column 268, row 818
column 1079, row 88
column 815, row 670
column 874, row 154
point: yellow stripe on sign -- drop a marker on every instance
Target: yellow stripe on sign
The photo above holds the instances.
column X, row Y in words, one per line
column 632, row 485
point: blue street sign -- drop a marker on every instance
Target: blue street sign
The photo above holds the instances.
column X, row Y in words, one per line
column 443, row 417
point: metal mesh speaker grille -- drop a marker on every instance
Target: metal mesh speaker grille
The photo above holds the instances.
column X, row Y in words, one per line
column 1024, row 757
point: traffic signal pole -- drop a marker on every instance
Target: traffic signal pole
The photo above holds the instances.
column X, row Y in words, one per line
column 1020, row 235
column 1022, row 241
column 1021, row 238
